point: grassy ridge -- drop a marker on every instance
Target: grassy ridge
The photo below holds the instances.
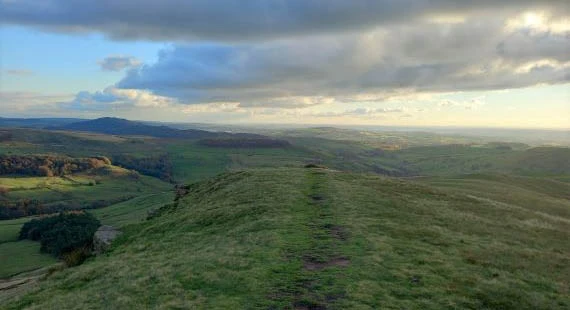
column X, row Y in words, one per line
column 285, row 238
column 132, row 211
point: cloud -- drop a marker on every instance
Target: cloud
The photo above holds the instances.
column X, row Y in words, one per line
column 300, row 54
column 232, row 20
column 112, row 98
column 361, row 112
column 20, row 103
column 470, row 104
column 19, row 72
column 118, row 63
column 389, row 62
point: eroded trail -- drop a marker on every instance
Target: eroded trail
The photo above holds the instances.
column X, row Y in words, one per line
column 318, row 280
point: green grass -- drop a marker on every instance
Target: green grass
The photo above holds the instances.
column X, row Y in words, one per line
column 192, row 162
column 10, row 229
column 15, row 253
column 113, row 185
column 463, row 159
column 22, row 256
column 81, row 190
column 132, row 211
column 286, row 238
column 417, row 153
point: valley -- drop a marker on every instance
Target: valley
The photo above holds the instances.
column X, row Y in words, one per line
column 317, row 218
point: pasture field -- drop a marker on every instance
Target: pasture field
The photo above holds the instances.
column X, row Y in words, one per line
column 22, row 256
column 86, row 190
column 81, row 190
column 19, row 256
column 10, row 229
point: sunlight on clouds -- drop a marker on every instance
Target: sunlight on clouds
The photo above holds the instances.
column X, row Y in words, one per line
column 142, row 98
column 539, row 21
column 214, row 107
column 446, row 19
column 533, row 65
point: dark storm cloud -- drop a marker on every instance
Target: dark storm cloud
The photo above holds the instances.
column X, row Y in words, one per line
column 237, row 20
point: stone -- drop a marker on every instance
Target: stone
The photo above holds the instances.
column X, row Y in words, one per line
column 103, row 238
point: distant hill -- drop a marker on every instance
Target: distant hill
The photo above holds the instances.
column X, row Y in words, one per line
column 36, row 122
column 118, row 126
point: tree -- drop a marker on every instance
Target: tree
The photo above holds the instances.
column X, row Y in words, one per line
column 3, row 190
column 45, row 171
column 63, row 233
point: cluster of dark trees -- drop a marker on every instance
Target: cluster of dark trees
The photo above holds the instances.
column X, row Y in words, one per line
column 21, row 208
column 245, row 143
column 62, row 234
column 29, row 207
column 158, row 166
column 48, row 165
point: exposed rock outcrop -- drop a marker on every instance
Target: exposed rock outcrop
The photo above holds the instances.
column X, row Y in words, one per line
column 103, row 238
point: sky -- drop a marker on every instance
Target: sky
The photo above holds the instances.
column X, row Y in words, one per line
column 481, row 63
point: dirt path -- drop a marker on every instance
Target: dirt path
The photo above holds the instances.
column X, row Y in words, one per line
column 18, row 284
column 323, row 262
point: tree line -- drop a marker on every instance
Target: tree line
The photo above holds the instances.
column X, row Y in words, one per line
column 48, row 165
column 29, row 207
column 158, row 166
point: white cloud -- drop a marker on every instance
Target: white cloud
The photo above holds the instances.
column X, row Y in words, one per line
column 112, row 98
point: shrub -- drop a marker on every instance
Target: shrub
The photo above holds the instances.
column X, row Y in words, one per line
column 61, row 234
column 77, row 256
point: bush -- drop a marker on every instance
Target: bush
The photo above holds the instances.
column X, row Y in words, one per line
column 62, row 234
column 77, row 256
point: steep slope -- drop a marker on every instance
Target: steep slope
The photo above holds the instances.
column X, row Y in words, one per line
column 117, row 126
column 320, row 239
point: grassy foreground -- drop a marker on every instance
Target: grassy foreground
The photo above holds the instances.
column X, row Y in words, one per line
column 318, row 239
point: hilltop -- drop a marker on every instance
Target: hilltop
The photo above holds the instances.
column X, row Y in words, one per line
column 118, row 126
column 321, row 239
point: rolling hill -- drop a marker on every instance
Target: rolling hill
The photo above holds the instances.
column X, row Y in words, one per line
column 118, row 126
column 36, row 122
column 320, row 239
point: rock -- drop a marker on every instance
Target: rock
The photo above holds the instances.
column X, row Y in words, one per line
column 103, row 238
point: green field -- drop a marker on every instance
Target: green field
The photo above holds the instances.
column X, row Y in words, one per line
column 118, row 215
column 10, row 229
column 101, row 188
column 21, row 256
column 97, row 188
column 310, row 238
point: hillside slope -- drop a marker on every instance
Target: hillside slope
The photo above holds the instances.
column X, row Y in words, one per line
column 319, row 239
column 117, row 126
